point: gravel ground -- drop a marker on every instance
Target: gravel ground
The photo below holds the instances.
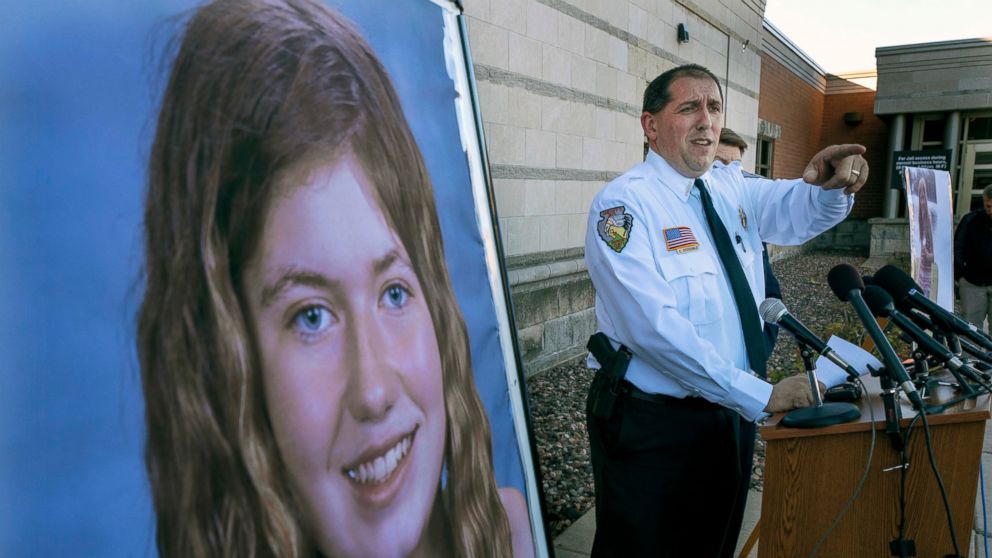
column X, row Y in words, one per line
column 557, row 396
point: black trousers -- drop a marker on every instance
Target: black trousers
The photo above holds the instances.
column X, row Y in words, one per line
column 670, row 478
column 748, row 430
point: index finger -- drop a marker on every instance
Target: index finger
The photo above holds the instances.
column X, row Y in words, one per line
column 836, row 152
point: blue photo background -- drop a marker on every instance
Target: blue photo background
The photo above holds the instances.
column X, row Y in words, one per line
column 78, row 100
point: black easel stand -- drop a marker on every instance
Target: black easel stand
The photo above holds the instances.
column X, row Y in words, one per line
column 820, row 414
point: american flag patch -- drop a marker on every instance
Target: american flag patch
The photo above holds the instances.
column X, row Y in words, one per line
column 680, row 239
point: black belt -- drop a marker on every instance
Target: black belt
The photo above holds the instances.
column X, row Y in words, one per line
column 662, row 399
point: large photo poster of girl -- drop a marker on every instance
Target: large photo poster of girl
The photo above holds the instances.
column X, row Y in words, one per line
column 312, row 350
column 928, row 198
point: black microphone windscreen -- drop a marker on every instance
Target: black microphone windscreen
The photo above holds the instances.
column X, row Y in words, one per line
column 843, row 279
column 896, row 281
column 878, row 301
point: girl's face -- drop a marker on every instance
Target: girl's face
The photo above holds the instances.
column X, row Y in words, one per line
column 350, row 364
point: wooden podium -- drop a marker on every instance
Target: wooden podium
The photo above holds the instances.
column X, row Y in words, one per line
column 810, row 474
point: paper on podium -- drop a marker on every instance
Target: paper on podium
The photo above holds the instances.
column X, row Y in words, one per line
column 832, row 375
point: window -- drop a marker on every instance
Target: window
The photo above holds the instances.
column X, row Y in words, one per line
column 763, row 157
column 933, row 133
column 927, row 132
column 979, row 127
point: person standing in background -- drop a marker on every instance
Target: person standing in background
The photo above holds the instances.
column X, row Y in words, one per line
column 730, row 149
column 973, row 262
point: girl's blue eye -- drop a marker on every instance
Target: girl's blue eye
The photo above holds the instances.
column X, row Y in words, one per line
column 312, row 320
column 396, row 296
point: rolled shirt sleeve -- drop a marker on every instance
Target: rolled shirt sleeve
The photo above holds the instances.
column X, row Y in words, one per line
column 789, row 212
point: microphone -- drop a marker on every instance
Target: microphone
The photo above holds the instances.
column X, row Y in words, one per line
column 907, row 293
column 881, row 304
column 925, row 322
column 821, row 414
column 846, row 283
column 773, row 311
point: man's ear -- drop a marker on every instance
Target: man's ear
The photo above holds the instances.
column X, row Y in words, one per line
column 650, row 126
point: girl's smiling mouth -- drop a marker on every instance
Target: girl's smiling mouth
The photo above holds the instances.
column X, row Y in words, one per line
column 377, row 466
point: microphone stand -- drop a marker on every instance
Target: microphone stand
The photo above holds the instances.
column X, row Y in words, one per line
column 959, row 346
column 820, row 414
column 978, row 355
column 921, row 372
column 953, row 342
column 963, row 384
column 935, row 410
column 893, row 411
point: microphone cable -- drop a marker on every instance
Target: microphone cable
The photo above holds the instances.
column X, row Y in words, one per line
column 904, row 462
column 861, row 481
column 983, row 384
column 936, row 473
column 985, row 514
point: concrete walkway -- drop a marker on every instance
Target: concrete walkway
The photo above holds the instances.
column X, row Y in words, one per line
column 576, row 541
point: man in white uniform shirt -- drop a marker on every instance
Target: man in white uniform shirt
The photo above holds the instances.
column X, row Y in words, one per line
column 678, row 367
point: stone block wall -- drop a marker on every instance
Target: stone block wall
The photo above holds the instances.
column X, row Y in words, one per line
column 889, row 237
column 553, row 302
column 560, row 85
column 851, row 235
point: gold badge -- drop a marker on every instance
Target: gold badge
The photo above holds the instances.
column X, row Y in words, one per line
column 743, row 216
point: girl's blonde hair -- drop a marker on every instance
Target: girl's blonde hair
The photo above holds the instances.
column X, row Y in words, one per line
column 256, row 86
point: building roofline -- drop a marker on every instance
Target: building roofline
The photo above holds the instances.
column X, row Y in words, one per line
column 976, row 42
column 856, row 74
column 778, row 34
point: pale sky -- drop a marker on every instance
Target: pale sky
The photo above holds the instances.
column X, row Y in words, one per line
column 841, row 35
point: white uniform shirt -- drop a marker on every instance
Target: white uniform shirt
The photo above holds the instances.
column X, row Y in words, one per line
column 660, row 286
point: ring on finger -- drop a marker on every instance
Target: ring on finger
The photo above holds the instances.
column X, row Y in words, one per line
column 856, row 173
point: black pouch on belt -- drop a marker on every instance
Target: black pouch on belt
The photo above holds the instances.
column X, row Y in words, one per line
column 608, row 383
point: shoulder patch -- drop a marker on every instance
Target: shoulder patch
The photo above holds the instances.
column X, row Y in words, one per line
column 614, row 227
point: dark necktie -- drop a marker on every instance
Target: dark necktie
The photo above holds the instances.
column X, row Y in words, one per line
column 746, row 309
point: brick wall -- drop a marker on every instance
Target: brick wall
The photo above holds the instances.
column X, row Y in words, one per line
column 872, row 132
column 797, row 107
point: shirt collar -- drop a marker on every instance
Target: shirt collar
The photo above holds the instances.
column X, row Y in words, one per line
column 670, row 178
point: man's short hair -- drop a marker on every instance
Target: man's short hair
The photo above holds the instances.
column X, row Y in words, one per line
column 657, row 94
column 987, row 192
column 730, row 137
